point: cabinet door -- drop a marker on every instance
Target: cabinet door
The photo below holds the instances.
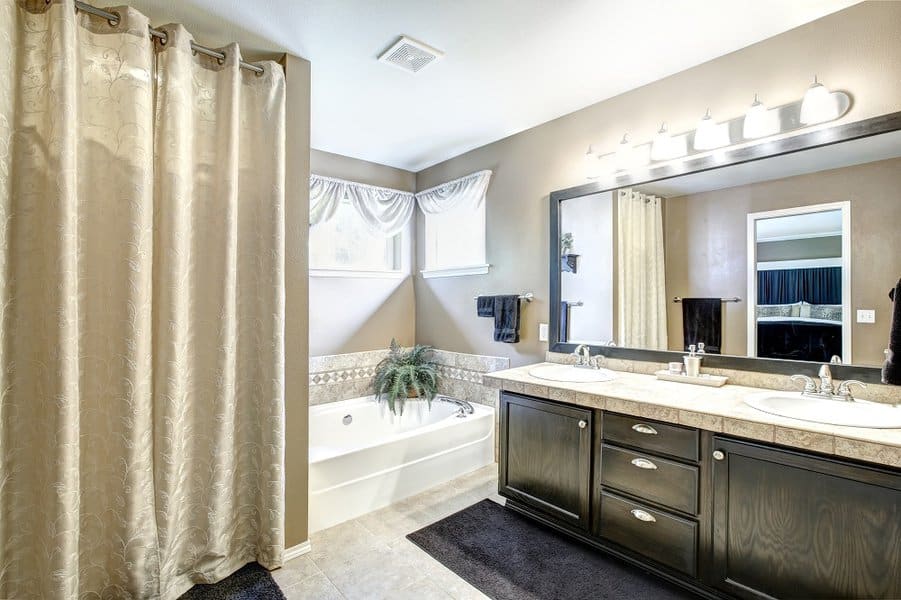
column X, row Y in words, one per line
column 791, row 525
column 545, row 458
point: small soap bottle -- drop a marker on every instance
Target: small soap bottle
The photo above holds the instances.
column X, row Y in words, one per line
column 692, row 362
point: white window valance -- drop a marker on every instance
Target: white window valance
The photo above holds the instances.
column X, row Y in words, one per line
column 384, row 210
column 469, row 190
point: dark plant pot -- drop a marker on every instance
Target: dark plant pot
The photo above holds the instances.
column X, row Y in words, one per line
column 569, row 263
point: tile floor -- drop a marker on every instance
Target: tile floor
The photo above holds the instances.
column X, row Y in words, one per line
column 369, row 558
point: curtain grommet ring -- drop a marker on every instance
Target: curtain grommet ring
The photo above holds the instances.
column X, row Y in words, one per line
column 163, row 40
column 116, row 21
column 221, row 61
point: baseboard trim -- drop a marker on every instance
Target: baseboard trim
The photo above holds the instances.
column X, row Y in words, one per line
column 298, row 550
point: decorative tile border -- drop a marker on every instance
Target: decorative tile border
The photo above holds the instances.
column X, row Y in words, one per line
column 344, row 376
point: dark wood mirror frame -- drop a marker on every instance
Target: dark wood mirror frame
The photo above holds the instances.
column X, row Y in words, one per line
column 805, row 141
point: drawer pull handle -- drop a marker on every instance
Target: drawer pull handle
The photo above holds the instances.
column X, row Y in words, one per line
column 642, row 428
column 643, row 463
column 583, row 424
column 643, row 515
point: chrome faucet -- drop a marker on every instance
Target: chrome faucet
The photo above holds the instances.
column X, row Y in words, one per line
column 583, row 353
column 465, row 407
column 826, row 389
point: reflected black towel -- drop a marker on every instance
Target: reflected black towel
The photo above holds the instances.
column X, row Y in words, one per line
column 506, row 319
column 891, row 370
column 485, row 306
column 702, row 322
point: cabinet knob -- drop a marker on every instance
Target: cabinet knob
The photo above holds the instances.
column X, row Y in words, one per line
column 643, row 463
column 718, row 455
column 642, row 428
column 643, row 515
column 583, row 424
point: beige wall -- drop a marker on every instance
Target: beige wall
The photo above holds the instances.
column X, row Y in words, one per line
column 297, row 226
column 719, row 266
column 855, row 50
column 381, row 308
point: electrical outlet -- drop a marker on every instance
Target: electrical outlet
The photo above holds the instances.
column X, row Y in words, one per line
column 542, row 332
column 866, row 316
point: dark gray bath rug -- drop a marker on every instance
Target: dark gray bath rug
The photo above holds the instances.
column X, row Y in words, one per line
column 510, row 557
column 250, row 582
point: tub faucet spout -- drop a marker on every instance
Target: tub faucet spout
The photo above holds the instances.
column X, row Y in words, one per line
column 465, row 407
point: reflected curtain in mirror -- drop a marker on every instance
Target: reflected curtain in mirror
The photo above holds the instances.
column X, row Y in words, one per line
column 641, row 292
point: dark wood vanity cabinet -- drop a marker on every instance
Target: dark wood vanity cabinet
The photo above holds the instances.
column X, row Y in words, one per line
column 793, row 525
column 725, row 517
column 545, row 457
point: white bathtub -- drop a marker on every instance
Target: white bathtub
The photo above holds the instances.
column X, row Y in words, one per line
column 379, row 458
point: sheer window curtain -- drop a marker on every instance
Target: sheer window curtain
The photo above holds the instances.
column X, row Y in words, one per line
column 641, row 285
column 142, row 307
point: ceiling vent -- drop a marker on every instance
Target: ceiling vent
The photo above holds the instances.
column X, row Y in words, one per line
column 410, row 55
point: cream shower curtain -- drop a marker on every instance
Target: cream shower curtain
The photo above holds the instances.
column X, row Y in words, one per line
column 641, row 286
column 141, row 303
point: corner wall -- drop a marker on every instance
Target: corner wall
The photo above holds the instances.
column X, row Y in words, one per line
column 297, row 227
column 382, row 308
column 856, row 50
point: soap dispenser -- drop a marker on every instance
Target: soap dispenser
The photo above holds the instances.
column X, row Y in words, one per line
column 692, row 362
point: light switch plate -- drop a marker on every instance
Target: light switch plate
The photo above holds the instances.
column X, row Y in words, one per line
column 542, row 332
column 866, row 316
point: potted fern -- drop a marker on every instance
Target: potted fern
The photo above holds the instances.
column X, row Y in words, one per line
column 406, row 373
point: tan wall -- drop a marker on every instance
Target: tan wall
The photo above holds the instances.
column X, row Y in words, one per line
column 719, row 266
column 855, row 49
column 297, row 226
column 380, row 308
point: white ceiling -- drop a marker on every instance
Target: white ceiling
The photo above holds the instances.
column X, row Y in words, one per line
column 509, row 64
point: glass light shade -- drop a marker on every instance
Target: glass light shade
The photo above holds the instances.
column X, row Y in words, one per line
column 624, row 154
column 666, row 147
column 592, row 165
column 818, row 105
column 710, row 134
column 757, row 122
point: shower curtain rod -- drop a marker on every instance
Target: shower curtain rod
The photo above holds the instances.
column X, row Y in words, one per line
column 113, row 19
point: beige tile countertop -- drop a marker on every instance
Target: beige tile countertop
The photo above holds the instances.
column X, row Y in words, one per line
column 721, row 410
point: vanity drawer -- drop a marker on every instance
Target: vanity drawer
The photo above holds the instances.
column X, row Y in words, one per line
column 659, row 480
column 654, row 436
column 659, row 536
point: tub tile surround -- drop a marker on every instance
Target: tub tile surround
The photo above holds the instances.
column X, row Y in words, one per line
column 345, row 376
column 720, row 410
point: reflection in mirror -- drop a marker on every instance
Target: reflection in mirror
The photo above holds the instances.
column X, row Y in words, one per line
column 771, row 258
column 586, row 282
column 798, row 302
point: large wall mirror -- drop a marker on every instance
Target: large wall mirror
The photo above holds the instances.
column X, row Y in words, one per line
column 777, row 257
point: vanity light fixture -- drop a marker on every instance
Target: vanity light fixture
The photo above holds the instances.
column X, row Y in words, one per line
column 709, row 134
column 819, row 104
column 757, row 122
column 592, row 164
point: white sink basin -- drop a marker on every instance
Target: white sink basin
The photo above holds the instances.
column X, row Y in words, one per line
column 571, row 374
column 831, row 412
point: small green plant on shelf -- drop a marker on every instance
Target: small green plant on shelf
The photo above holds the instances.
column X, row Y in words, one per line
column 406, row 373
column 566, row 243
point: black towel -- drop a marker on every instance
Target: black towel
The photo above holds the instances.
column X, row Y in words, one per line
column 891, row 370
column 485, row 306
column 506, row 319
column 702, row 322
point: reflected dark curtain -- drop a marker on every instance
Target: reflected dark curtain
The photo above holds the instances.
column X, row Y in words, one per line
column 786, row 286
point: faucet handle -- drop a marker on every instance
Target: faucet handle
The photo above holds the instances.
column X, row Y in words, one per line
column 809, row 386
column 844, row 388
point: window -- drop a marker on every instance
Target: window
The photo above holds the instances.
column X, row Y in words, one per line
column 455, row 242
column 345, row 244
